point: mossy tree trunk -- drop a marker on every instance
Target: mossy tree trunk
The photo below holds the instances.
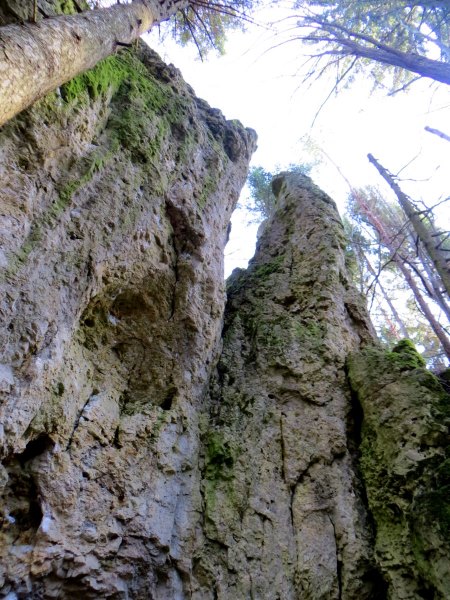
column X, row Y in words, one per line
column 36, row 58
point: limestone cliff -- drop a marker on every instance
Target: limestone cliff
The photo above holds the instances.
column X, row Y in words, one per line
column 405, row 462
column 156, row 447
column 116, row 194
column 284, row 513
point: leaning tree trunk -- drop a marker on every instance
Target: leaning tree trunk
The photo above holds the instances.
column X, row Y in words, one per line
column 428, row 237
column 352, row 43
column 36, row 58
column 401, row 264
column 434, row 323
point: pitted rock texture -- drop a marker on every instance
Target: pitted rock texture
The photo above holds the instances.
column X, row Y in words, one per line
column 284, row 516
column 116, row 194
column 149, row 454
column 12, row 11
column 405, row 461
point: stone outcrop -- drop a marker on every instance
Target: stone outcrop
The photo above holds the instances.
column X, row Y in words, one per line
column 284, row 515
column 156, row 447
column 405, row 462
column 116, row 194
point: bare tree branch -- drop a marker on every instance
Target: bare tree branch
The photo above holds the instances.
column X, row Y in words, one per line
column 442, row 135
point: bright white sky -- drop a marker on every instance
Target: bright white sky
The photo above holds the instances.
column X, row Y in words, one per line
column 263, row 89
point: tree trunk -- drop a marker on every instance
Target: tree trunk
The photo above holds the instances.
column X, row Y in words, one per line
column 36, row 58
column 433, row 280
column 368, row 47
column 399, row 261
column 434, row 324
column 425, row 67
column 426, row 236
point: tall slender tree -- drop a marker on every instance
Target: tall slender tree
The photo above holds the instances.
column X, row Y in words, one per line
column 395, row 239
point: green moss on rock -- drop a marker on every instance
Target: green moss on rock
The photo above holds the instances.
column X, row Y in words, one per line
column 219, row 457
column 105, row 77
column 263, row 271
column 68, row 7
column 410, row 358
column 404, row 462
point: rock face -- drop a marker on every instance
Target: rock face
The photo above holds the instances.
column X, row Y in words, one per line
column 405, row 461
column 116, row 194
column 154, row 447
column 284, row 515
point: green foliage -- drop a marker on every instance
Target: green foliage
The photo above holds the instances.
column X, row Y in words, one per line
column 206, row 23
column 260, row 183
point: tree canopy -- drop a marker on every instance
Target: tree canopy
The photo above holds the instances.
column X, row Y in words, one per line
column 260, row 185
column 396, row 37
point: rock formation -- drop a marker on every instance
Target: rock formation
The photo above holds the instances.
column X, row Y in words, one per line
column 117, row 192
column 154, row 447
column 405, row 462
column 282, row 505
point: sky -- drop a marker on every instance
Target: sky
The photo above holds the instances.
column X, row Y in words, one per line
column 261, row 83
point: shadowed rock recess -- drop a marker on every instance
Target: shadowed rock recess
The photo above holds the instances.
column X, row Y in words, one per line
column 156, row 448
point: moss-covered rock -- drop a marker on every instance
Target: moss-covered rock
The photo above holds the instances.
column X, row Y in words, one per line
column 404, row 461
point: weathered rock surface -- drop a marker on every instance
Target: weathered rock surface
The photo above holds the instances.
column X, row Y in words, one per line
column 146, row 453
column 284, row 515
column 116, row 193
column 405, row 461
column 12, row 11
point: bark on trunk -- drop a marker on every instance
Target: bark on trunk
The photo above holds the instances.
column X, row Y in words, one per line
column 426, row 235
column 425, row 67
column 36, row 58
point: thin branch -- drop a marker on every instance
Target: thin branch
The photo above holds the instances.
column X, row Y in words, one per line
column 442, row 135
column 334, row 89
column 408, row 163
column 405, row 86
column 205, row 28
column 191, row 28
